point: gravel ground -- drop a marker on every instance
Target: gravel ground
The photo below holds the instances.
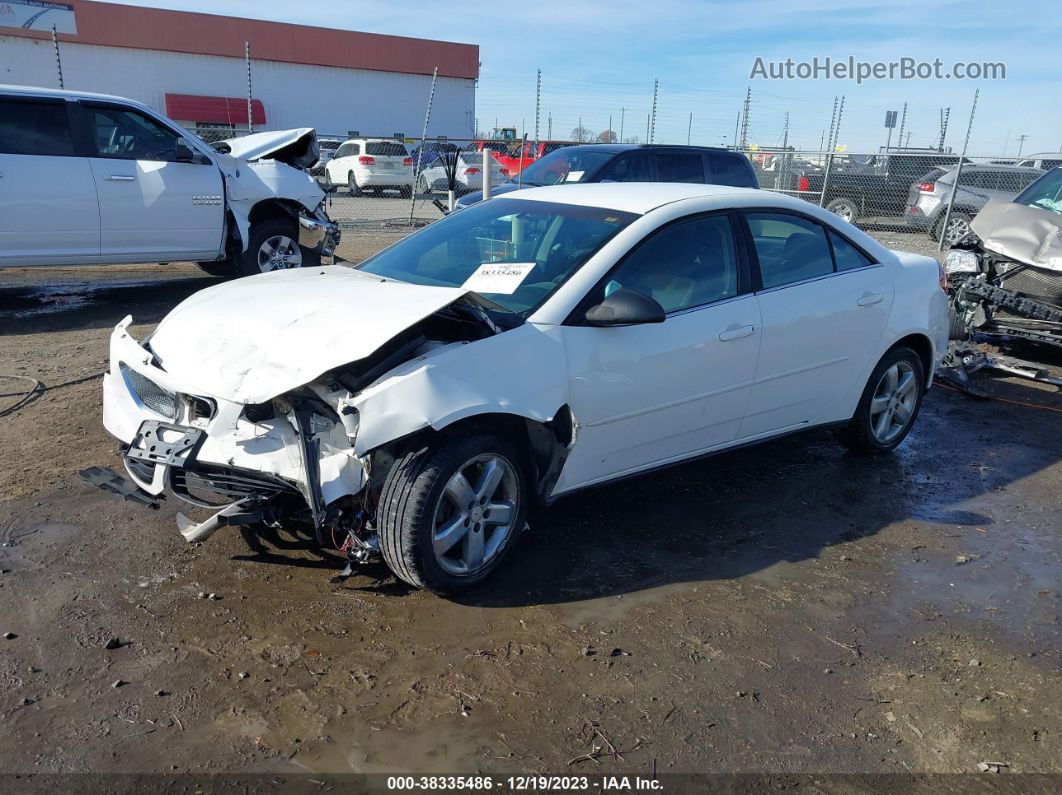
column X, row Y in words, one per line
column 785, row 608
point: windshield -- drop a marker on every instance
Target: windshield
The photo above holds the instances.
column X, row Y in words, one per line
column 1045, row 193
column 513, row 252
column 570, row 164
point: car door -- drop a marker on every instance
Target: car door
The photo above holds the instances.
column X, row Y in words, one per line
column 151, row 205
column 48, row 208
column 649, row 394
column 824, row 304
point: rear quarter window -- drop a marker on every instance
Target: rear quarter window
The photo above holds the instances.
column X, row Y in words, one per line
column 385, row 149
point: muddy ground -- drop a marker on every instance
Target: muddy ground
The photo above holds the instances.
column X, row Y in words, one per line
column 783, row 608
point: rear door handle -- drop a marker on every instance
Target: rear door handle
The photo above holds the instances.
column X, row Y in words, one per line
column 869, row 299
column 120, row 178
column 737, row 332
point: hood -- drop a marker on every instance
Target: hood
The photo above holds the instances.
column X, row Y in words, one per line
column 297, row 148
column 251, row 339
column 1019, row 232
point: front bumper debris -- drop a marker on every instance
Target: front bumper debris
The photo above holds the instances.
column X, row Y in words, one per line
column 318, row 233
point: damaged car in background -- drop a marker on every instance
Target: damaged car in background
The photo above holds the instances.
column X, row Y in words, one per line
column 137, row 187
column 1006, row 281
column 426, row 405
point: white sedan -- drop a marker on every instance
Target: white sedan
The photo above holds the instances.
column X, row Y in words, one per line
column 426, row 404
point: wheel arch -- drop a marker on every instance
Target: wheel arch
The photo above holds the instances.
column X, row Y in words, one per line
column 547, row 441
column 922, row 345
column 263, row 210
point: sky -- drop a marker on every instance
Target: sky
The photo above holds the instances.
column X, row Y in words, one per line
column 599, row 60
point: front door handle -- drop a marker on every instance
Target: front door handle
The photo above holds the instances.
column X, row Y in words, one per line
column 737, row 332
column 120, row 178
column 869, row 299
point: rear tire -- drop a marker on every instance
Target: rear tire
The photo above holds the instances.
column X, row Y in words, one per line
column 889, row 405
column 429, row 536
column 845, row 209
column 958, row 228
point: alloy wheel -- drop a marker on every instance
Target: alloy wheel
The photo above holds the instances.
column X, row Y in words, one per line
column 893, row 405
column 475, row 514
column 279, row 252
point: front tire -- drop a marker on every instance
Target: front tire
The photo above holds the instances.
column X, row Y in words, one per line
column 352, row 185
column 273, row 245
column 889, row 405
column 451, row 508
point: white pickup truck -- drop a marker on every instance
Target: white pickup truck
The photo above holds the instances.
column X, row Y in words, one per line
column 89, row 178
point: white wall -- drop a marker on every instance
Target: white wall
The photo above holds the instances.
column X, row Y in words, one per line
column 331, row 99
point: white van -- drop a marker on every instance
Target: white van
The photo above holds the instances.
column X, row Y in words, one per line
column 90, row 178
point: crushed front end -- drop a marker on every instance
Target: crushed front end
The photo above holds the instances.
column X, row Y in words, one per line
column 288, row 459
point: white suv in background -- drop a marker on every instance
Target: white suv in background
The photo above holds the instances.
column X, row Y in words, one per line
column 375, row 164
column 90, row 178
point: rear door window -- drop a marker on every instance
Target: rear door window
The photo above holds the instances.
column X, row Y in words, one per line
column 679, row 167
column 34, row 128
column 730, row 170
column 789, row 248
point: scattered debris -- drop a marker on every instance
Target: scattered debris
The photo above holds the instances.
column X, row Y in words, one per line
column 974, row 663
column 10, row 636
column 118, row 683
column 112, row 643
column 918, row 732
column 890, row 717
column 991, row 767
column 242, row 674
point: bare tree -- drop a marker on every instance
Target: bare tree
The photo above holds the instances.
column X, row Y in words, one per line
column 607, row 137
column 582, row 134
column 634, row 139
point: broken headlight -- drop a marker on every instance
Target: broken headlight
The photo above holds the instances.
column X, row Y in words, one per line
column 961, row 261
column 159, row 400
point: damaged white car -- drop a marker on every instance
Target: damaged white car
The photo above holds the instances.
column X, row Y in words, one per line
column 90, row 178
column 427, row 404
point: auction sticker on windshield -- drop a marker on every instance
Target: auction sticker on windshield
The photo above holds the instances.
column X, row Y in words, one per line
column 502, row 278
column 574, row 176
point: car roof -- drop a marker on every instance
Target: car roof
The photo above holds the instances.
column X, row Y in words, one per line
column 629, row 147
column 995, row 167
column 642, row 197
column 56, row 93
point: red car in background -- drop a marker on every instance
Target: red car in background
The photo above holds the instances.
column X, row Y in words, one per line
column 508, row 153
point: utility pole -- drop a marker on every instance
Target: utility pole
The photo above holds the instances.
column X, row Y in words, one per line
column 549, row 126
column 945, row 113
column 610, row 128
column 689, row 130
column 737, row 123
column 538, row 102
column 785, row 133
column 837, row 129
column 745, row 118
column 420, row 149
column 58, row 60
column 623, row 112
column 903, row 123
column 247, row 58
column 958, row 173
column 652, row 126
column 833, row 121
column 1021, row 143
column 647, row 118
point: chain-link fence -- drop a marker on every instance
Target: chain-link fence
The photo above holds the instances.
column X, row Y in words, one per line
column 374, row 181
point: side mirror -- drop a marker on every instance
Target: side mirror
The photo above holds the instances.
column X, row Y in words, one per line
column 625, row 308
column 183, row 153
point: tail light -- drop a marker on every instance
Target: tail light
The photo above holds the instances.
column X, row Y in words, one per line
column 926, row 187
column 471, row 170
column 408, row 161
column 503, row 171
column 803, row 184
column 366, row 160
